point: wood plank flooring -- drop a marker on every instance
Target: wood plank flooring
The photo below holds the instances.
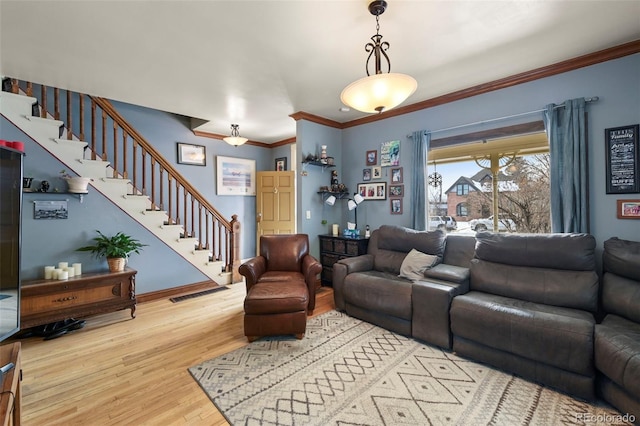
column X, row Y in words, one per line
column 119, row 371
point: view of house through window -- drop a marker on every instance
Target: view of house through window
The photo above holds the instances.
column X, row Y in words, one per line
column 464, row 194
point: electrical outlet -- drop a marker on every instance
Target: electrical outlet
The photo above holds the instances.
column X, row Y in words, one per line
column 308, row 214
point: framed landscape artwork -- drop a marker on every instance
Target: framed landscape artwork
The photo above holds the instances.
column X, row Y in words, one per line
column 235, row 176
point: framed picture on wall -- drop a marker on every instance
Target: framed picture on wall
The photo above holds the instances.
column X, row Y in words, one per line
column 628, row 209
column 366, row 174
column 396, row 190
column 235, row 176
column 396, row 175
column 623, row 174
column 372, row 158
column 376, row 172
column 390, row 153
column 396, row 206
column 373, row 191
column 281, row 164
column 192, row 154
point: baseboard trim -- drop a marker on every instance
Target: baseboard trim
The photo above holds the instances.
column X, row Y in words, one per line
column 176, row 291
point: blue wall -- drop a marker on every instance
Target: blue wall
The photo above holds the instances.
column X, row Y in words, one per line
column 616, row 83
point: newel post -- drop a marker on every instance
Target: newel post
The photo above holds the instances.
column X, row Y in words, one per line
column 235, row 249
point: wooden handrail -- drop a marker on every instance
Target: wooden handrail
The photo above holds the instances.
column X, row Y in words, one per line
column 133, row 157
column 115, row 115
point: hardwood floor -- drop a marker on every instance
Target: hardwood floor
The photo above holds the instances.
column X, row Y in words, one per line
column 134, row 372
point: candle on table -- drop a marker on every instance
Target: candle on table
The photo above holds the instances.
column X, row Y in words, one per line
column 78, row 268
column 63, row 275
column 48, row 272
column 56, row 273
column 63, row 265
column 71, row 271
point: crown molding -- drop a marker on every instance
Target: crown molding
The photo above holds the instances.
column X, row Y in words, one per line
column 615, row 52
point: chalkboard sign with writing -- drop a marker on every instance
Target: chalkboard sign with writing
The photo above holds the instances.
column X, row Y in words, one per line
column 622, row 160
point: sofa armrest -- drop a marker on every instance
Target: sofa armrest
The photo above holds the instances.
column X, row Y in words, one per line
column 311, row 268
column 431, row 302
column 341, row 269
column 445, row 272
column 252, row 270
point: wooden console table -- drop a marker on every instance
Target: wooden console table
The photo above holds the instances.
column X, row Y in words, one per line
column 47, row 301
column 11, row 386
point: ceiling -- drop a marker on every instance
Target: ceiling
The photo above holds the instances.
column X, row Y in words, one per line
column 255, row 63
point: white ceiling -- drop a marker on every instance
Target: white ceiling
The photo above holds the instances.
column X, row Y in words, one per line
column 256, row 62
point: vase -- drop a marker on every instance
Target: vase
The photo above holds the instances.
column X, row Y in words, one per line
column 78, row 184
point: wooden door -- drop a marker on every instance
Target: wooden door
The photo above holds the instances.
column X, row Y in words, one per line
column 275, row 204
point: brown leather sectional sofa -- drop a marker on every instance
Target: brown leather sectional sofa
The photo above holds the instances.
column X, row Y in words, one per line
column 523, row 303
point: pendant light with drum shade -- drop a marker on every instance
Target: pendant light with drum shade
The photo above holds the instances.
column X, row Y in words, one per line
column 381, row 91
column 235, row 139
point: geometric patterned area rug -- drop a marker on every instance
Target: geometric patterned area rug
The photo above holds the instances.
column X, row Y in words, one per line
column 349, row 372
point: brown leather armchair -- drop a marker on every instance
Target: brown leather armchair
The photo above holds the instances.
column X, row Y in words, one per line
column 281, row 286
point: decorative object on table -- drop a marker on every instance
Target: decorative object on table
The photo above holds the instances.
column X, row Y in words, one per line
column 396, row 191
column 373, row 191
column 330, row 161
column 381, row 91
column 50, row 210
column 376, row 172
column 335, row 229
column 281, row 164
column 26, row 183
column 194, row 155
column 628, row 209
column 115, row 249
column 372, row 158
column 390, row 154
column 367, row 232
column 366, row 174
column 396, row 206
column 44, row 186
column 75, row 184
column 235, row 176
column 623, row 157
column 396, row 175
column 235, row 139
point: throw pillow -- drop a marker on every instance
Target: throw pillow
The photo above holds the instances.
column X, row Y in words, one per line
column 415, row 263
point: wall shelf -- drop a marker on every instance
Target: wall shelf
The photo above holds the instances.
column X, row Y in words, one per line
column 317, row 163
column 79, row 194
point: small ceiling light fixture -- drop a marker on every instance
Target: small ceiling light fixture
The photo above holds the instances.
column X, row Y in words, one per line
column 382, row 91
column 235, row 139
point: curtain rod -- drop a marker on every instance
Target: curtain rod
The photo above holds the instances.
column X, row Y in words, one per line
column 588, row 100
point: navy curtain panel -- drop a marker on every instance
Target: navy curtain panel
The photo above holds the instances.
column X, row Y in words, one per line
column 566, row 129
column 421, row 140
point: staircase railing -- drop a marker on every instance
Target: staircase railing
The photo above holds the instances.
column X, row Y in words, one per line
column 112, row 138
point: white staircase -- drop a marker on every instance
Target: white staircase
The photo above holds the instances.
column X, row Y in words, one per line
column 45, row 131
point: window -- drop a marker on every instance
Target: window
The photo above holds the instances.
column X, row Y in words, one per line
column 462, row 189
column 503, row 175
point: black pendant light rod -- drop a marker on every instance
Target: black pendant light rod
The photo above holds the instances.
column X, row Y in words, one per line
column 378, row 47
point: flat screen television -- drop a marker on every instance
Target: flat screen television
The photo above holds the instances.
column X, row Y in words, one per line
column 10, row 240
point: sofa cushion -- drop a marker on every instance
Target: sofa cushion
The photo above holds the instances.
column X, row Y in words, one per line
column 416, row 263
column 574, row 252
column 444, row 272
column 380, row 292
column 621, row 296
column 556, row 336
column 617, row 352
column 622, row 257
column 571, row 289
column 398, row 238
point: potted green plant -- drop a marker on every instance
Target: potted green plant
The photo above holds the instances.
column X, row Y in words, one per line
column 116, row 249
